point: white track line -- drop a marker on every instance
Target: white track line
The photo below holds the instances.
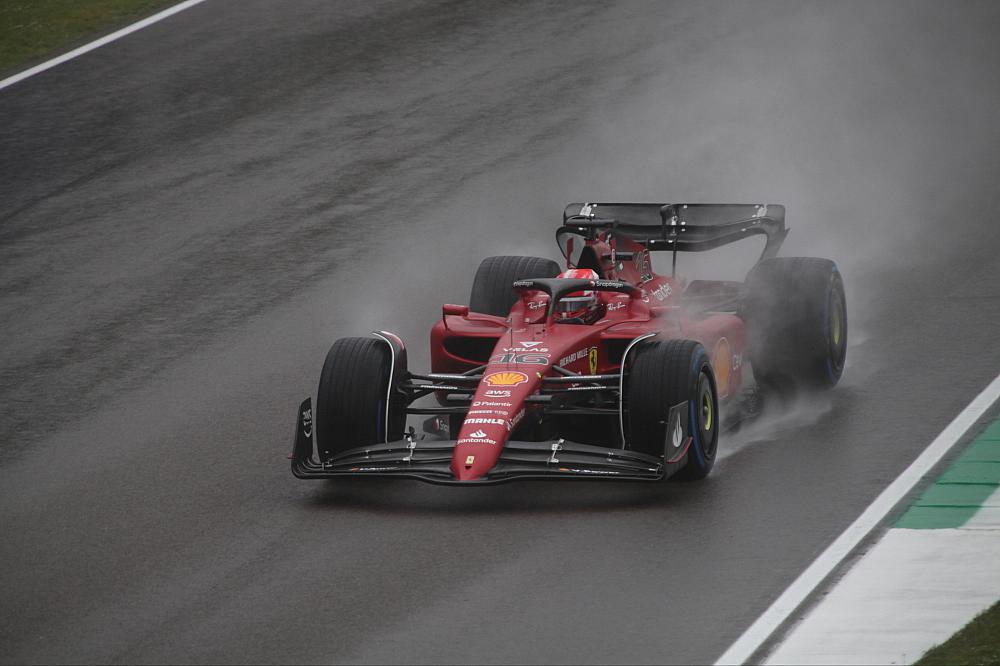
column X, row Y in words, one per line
column 127, row 30
column 755, row 636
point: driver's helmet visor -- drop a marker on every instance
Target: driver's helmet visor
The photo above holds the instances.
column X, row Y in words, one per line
column 572, row 304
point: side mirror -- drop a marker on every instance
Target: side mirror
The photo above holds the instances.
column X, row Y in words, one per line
column 460, row 310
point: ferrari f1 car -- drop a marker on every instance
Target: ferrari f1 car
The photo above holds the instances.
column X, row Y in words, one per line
column 607, row 370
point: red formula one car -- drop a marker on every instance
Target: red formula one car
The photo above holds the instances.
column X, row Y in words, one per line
column 606, row 370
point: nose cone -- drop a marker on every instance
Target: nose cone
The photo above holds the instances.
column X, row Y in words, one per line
column 493, row 413
column 478, row 448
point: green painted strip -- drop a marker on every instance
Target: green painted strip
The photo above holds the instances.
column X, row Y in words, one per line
column 953, row 494
column 974, row 471
column 936, row 517
column 985, row 452
column 961, row 490
column 993, row 432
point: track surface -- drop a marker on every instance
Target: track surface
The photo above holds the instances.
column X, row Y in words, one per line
column 190, row 215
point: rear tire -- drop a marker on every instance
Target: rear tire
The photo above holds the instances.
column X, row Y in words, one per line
column 492, row 292
column 796, row 315
column 661, row 375
column 351, row 401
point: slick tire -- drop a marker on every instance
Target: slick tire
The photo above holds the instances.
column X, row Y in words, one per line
column 491, row 289
column 662, row 374
column 351, row 408
column 796, row 315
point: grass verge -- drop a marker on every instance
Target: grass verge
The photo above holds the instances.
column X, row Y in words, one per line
column 32, row 31
column 976, row 644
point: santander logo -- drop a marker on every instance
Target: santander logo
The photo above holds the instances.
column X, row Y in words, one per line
column 478, row 434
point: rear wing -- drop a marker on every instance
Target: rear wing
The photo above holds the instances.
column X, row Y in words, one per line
column 681, row 227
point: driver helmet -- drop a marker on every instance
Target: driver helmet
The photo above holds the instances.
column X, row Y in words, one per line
column 579, row 304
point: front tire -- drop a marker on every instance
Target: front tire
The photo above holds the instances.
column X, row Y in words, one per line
column 492, row 290
column 353, row 403
column 663, row 374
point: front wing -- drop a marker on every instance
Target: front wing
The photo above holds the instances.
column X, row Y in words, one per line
column 430, row 460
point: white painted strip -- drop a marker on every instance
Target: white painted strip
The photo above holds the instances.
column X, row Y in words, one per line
column 127, row 30
column 911, row 591
column 988, row 516
column 755, row 636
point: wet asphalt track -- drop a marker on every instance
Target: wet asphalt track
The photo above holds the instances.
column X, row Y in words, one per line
column 189, row 216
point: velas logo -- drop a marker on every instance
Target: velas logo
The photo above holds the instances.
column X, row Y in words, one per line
column 529, row 345
column 506, row 378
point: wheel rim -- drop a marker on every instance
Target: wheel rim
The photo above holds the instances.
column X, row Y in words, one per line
column 837, row 327
column 706, row 411
column 707, row 417
column 838, row 330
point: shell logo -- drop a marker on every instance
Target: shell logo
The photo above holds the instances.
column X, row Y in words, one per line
column 506, row 378
column 722, row 364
